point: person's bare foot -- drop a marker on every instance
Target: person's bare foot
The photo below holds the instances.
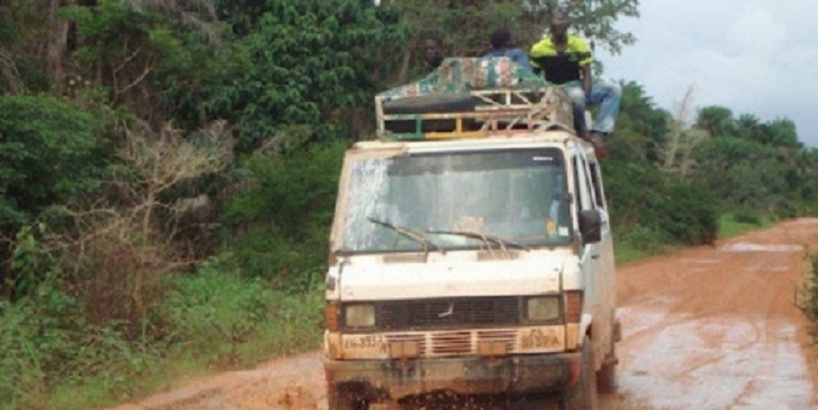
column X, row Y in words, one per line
column 596, row 140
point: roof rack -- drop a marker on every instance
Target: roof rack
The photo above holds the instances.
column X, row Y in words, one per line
column 472, row 98
column 496, row 111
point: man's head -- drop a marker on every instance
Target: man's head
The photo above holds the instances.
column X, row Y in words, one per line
column 501, row 39
column 560, row 21
column 433, row 51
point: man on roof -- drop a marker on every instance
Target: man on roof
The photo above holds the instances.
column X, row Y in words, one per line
column 432, row 51
column 566, row 60
column 503, row 46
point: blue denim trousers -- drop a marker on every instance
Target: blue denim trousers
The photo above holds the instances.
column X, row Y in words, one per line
column 603, row 93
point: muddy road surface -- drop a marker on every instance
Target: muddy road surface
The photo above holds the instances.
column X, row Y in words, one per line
column 705, row 328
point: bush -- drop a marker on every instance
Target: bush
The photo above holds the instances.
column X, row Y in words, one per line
column 639, row 241
column 50, row 152
column 812, row 277
column 52, row 357
column 689, row 214
column 48, row 346
column 783, row 209
column 229, row 320
column 747, row 216
column 806, row 295
column 656, row 207
column 279, row 226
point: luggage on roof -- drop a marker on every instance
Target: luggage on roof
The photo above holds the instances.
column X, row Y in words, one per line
column 471, row 97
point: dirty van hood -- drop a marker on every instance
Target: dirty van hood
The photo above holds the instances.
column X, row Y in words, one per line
column 370, row 278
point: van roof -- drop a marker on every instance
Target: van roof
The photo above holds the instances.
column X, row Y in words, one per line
column 557, row 138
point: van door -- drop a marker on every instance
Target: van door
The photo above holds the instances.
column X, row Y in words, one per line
column 596, row 290
column 605, row 264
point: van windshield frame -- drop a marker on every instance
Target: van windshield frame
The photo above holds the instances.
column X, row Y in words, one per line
column 518, row 195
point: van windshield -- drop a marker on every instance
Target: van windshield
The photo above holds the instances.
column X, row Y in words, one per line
column 456, row 200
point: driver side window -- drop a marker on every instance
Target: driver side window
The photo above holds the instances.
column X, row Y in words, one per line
column 584, row 195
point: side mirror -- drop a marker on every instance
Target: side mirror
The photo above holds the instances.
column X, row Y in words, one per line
column 590, row 225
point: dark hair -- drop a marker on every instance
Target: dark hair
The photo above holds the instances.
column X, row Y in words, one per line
column 559, row 12
column 434, row 37
column 500, row 38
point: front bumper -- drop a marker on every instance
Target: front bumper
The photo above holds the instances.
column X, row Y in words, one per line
column 394, row 379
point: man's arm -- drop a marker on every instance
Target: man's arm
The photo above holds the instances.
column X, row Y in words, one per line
column 585, row 62
column 535, row 66
column 587, row 81
column 520, row 57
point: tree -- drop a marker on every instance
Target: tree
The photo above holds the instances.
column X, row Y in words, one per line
column 677, row 152
column 299, row 63
column 717, row 121
column 742, row 173
column 595, row 20
column 24, row 44
column 51, row 153
column 474, row 21
column 527, row 20
column 116, row 248
column 641, row 127
column 749, row 127
column 140, row 51
column 781, row 133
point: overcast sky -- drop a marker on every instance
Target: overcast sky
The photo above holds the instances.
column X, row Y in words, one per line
column 753, row 56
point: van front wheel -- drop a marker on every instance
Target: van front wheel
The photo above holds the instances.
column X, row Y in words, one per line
column 340, row 398
column 583, row 395
column 606, row 377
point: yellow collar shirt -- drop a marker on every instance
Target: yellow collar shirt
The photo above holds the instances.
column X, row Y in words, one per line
column 564, row 67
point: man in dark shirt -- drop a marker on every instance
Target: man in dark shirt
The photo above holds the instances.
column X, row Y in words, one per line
column 566, row 60
column 432, row 51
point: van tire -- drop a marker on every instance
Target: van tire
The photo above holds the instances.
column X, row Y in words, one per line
column 340, row 398
column 428, row 104
column 606, row 376
column 583, row 394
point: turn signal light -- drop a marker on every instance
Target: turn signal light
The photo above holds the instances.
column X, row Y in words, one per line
column 331, row 315
column 573, row 306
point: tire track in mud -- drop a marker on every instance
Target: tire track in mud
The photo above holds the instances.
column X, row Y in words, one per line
column 704, row 328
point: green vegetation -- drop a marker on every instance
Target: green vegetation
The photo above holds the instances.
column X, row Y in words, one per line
column 169, row 171
column 54, row 358
column 806, row 295
column 740, row 223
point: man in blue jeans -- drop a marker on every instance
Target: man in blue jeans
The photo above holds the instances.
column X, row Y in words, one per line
column 566, row 60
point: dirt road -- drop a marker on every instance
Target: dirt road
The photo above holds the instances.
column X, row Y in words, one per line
column 705, row 328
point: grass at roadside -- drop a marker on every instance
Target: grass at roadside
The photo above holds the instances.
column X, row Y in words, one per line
column 209, row 322
column 731, row 225
column 627, row 252
column 639, row 243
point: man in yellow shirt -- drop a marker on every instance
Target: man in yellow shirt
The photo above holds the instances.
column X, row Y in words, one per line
column 565, row 59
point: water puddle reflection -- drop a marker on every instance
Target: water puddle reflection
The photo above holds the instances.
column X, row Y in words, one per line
column 709, row 364
column 754, row 247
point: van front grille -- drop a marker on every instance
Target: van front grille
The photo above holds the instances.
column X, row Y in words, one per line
column 445, row 313
column 454, row 343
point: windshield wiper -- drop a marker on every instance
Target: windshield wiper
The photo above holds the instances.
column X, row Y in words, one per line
column 408, row 233
column 487, row 239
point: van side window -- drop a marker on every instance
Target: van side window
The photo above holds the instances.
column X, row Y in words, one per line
column 596, row 180
column 584, row 200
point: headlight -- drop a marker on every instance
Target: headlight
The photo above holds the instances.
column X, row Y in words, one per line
column 543, row 308
column 359, row 315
